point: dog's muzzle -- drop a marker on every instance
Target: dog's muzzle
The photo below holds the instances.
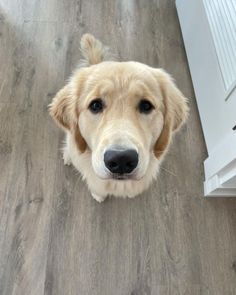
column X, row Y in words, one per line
column 121, row 162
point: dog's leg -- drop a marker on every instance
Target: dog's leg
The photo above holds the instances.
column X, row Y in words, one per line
column 99, row 199
column 66, row 155
column 65, row 151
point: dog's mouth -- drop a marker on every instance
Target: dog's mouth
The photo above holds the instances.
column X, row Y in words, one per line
column 119, row 177
column 123, row 177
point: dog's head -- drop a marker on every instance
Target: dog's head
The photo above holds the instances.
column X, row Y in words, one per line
column 123, row 113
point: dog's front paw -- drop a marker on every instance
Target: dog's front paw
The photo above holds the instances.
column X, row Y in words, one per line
column 66, row 158
column 99, row 199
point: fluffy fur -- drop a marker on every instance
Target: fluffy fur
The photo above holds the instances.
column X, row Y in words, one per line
column 121, row 85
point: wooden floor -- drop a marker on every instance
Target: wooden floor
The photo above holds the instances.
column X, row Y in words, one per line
column 54, row 238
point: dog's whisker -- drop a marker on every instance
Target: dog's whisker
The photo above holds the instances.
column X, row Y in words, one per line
column 168, row 171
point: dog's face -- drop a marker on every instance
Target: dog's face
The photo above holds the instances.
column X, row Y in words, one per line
column 121, row 117
column 123, row 113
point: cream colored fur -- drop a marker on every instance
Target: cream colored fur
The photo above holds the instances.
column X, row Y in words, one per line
column 121, row 85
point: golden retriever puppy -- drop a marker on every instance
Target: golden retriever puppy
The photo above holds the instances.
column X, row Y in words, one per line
column 119, row 118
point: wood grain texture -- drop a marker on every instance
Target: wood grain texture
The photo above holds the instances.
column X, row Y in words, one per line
column 54, row 238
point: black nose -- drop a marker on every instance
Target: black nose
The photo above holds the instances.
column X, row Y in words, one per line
column 121, row 161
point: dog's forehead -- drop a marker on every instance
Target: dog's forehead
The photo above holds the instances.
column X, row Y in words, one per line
column 129, row 76
column 123, row 70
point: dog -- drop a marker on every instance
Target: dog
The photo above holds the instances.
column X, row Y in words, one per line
column 119, row 119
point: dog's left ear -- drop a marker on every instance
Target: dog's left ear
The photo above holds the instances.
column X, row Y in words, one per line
column 63, row 110
column 175, row 113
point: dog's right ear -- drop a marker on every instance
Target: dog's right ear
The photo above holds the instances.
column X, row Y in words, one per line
column 62, row 108
column 63, row 111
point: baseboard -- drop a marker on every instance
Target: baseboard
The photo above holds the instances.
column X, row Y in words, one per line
column 220, row 169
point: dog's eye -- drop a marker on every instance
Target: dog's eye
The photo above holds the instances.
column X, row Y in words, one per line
column 145, row 106
column 96, row 106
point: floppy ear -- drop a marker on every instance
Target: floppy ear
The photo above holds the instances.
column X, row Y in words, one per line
column 64, row 111
column 175, row 114
column 61, row 108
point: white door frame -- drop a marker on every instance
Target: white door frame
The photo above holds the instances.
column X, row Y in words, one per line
column 217, row 114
